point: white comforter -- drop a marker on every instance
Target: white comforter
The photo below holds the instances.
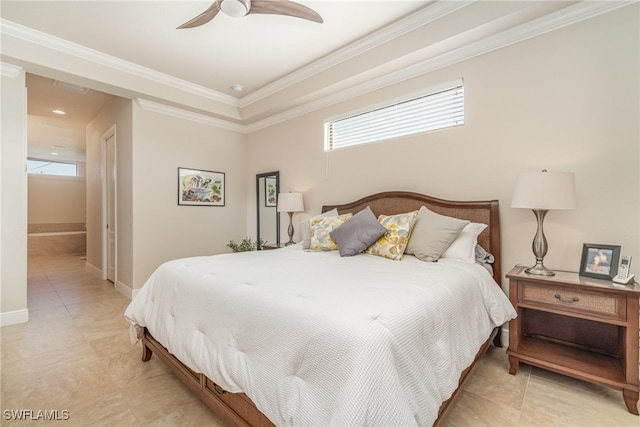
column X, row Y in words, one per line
column 316, row 339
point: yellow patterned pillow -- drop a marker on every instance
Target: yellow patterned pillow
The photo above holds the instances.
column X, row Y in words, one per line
column 321, row 229
column 393, row 243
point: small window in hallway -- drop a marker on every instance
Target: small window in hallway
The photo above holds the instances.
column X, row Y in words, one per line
column 47, row 167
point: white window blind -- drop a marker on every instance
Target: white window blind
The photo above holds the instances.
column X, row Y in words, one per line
column 439, row 108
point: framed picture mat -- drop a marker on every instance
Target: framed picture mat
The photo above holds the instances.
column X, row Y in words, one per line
column 197, row 187
column 599, row 261
column 270, row 192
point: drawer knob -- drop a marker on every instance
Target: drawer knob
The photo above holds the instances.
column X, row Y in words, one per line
column 559, row 298
column 219, row 389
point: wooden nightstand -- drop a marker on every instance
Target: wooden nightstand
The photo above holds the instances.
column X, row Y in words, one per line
column 577, row 326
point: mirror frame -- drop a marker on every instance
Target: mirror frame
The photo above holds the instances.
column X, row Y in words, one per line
column 258, row 203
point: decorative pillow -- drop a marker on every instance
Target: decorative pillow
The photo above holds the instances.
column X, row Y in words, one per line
column 464, row 247
column 305, row 227
column 321, row 229
column 432, row 234
column 357, row 233
column 484, row 258
column 393, row 243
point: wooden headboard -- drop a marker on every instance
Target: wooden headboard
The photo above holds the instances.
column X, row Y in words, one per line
column 395, row 202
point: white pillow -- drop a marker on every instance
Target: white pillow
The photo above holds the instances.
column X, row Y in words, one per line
column 305, row 227
column 464, row 247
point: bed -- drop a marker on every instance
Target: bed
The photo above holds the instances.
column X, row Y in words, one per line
column 292, row 337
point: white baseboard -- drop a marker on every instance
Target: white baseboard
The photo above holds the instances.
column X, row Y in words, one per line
column 95, row 270
column 125, row 290
column 14, row 317
column 120, row 287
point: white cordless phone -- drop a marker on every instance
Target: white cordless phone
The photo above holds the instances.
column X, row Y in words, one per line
column 623, row 271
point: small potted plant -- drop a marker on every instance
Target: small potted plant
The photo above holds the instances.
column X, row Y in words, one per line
column 246, row 245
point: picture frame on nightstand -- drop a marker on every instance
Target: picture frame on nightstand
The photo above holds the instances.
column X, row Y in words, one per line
column 599, row 261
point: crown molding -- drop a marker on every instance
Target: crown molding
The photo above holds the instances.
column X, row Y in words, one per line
column 554, row 21
column 585, row 9
column 64, row 46
column 567, row 16
column 189, row 115
column 418, row 19
column 10, row 70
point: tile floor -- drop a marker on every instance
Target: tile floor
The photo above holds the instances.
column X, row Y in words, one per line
column 74, row 355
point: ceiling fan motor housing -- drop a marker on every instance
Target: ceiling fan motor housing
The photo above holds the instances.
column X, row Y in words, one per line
column 235, row 8
column 240, row 8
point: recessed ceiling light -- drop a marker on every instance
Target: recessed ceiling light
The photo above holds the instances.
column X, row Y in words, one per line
column 237, row 87
column 59, row 112
column 55, row 149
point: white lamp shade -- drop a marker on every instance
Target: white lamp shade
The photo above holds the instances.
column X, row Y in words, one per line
column 545, row 190
column 290, row 202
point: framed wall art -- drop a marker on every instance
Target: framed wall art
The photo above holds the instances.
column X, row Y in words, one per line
column 270, row 191
column 599, row 261
column 200, row 187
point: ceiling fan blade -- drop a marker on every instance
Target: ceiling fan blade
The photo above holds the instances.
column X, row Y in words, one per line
column 284, row 7
column 203, row 18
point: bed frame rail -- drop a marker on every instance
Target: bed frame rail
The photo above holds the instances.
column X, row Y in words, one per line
column 235, row 409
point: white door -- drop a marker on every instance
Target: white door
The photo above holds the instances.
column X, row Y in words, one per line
column 111, row 206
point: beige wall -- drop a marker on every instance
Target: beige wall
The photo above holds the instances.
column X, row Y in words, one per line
column 117, row 113
column 152, row 228
column 162, row 229
column 56, row 200
column 564, row 101
column 44, row 131
column 13, row 204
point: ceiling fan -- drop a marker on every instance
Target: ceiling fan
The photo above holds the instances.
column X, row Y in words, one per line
column 240, row 8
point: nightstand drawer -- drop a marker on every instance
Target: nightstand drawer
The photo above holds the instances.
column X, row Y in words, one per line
column 576, row 301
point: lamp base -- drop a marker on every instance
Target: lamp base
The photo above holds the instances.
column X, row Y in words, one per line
column 539, row 270
column 539, row 247
column 290, row 230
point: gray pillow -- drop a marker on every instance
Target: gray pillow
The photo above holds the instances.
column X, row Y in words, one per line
column 305, row 227
column 433, row 234
column 358, row 233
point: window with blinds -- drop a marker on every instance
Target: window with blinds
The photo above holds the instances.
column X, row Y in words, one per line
column 439, row 108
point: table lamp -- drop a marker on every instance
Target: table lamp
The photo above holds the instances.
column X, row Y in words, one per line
column 290, row 203
column 541, row 192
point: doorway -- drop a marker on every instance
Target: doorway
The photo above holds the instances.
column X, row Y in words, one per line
column 109, row 198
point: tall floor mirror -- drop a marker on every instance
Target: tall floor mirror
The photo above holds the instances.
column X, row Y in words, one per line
column 267, row 189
